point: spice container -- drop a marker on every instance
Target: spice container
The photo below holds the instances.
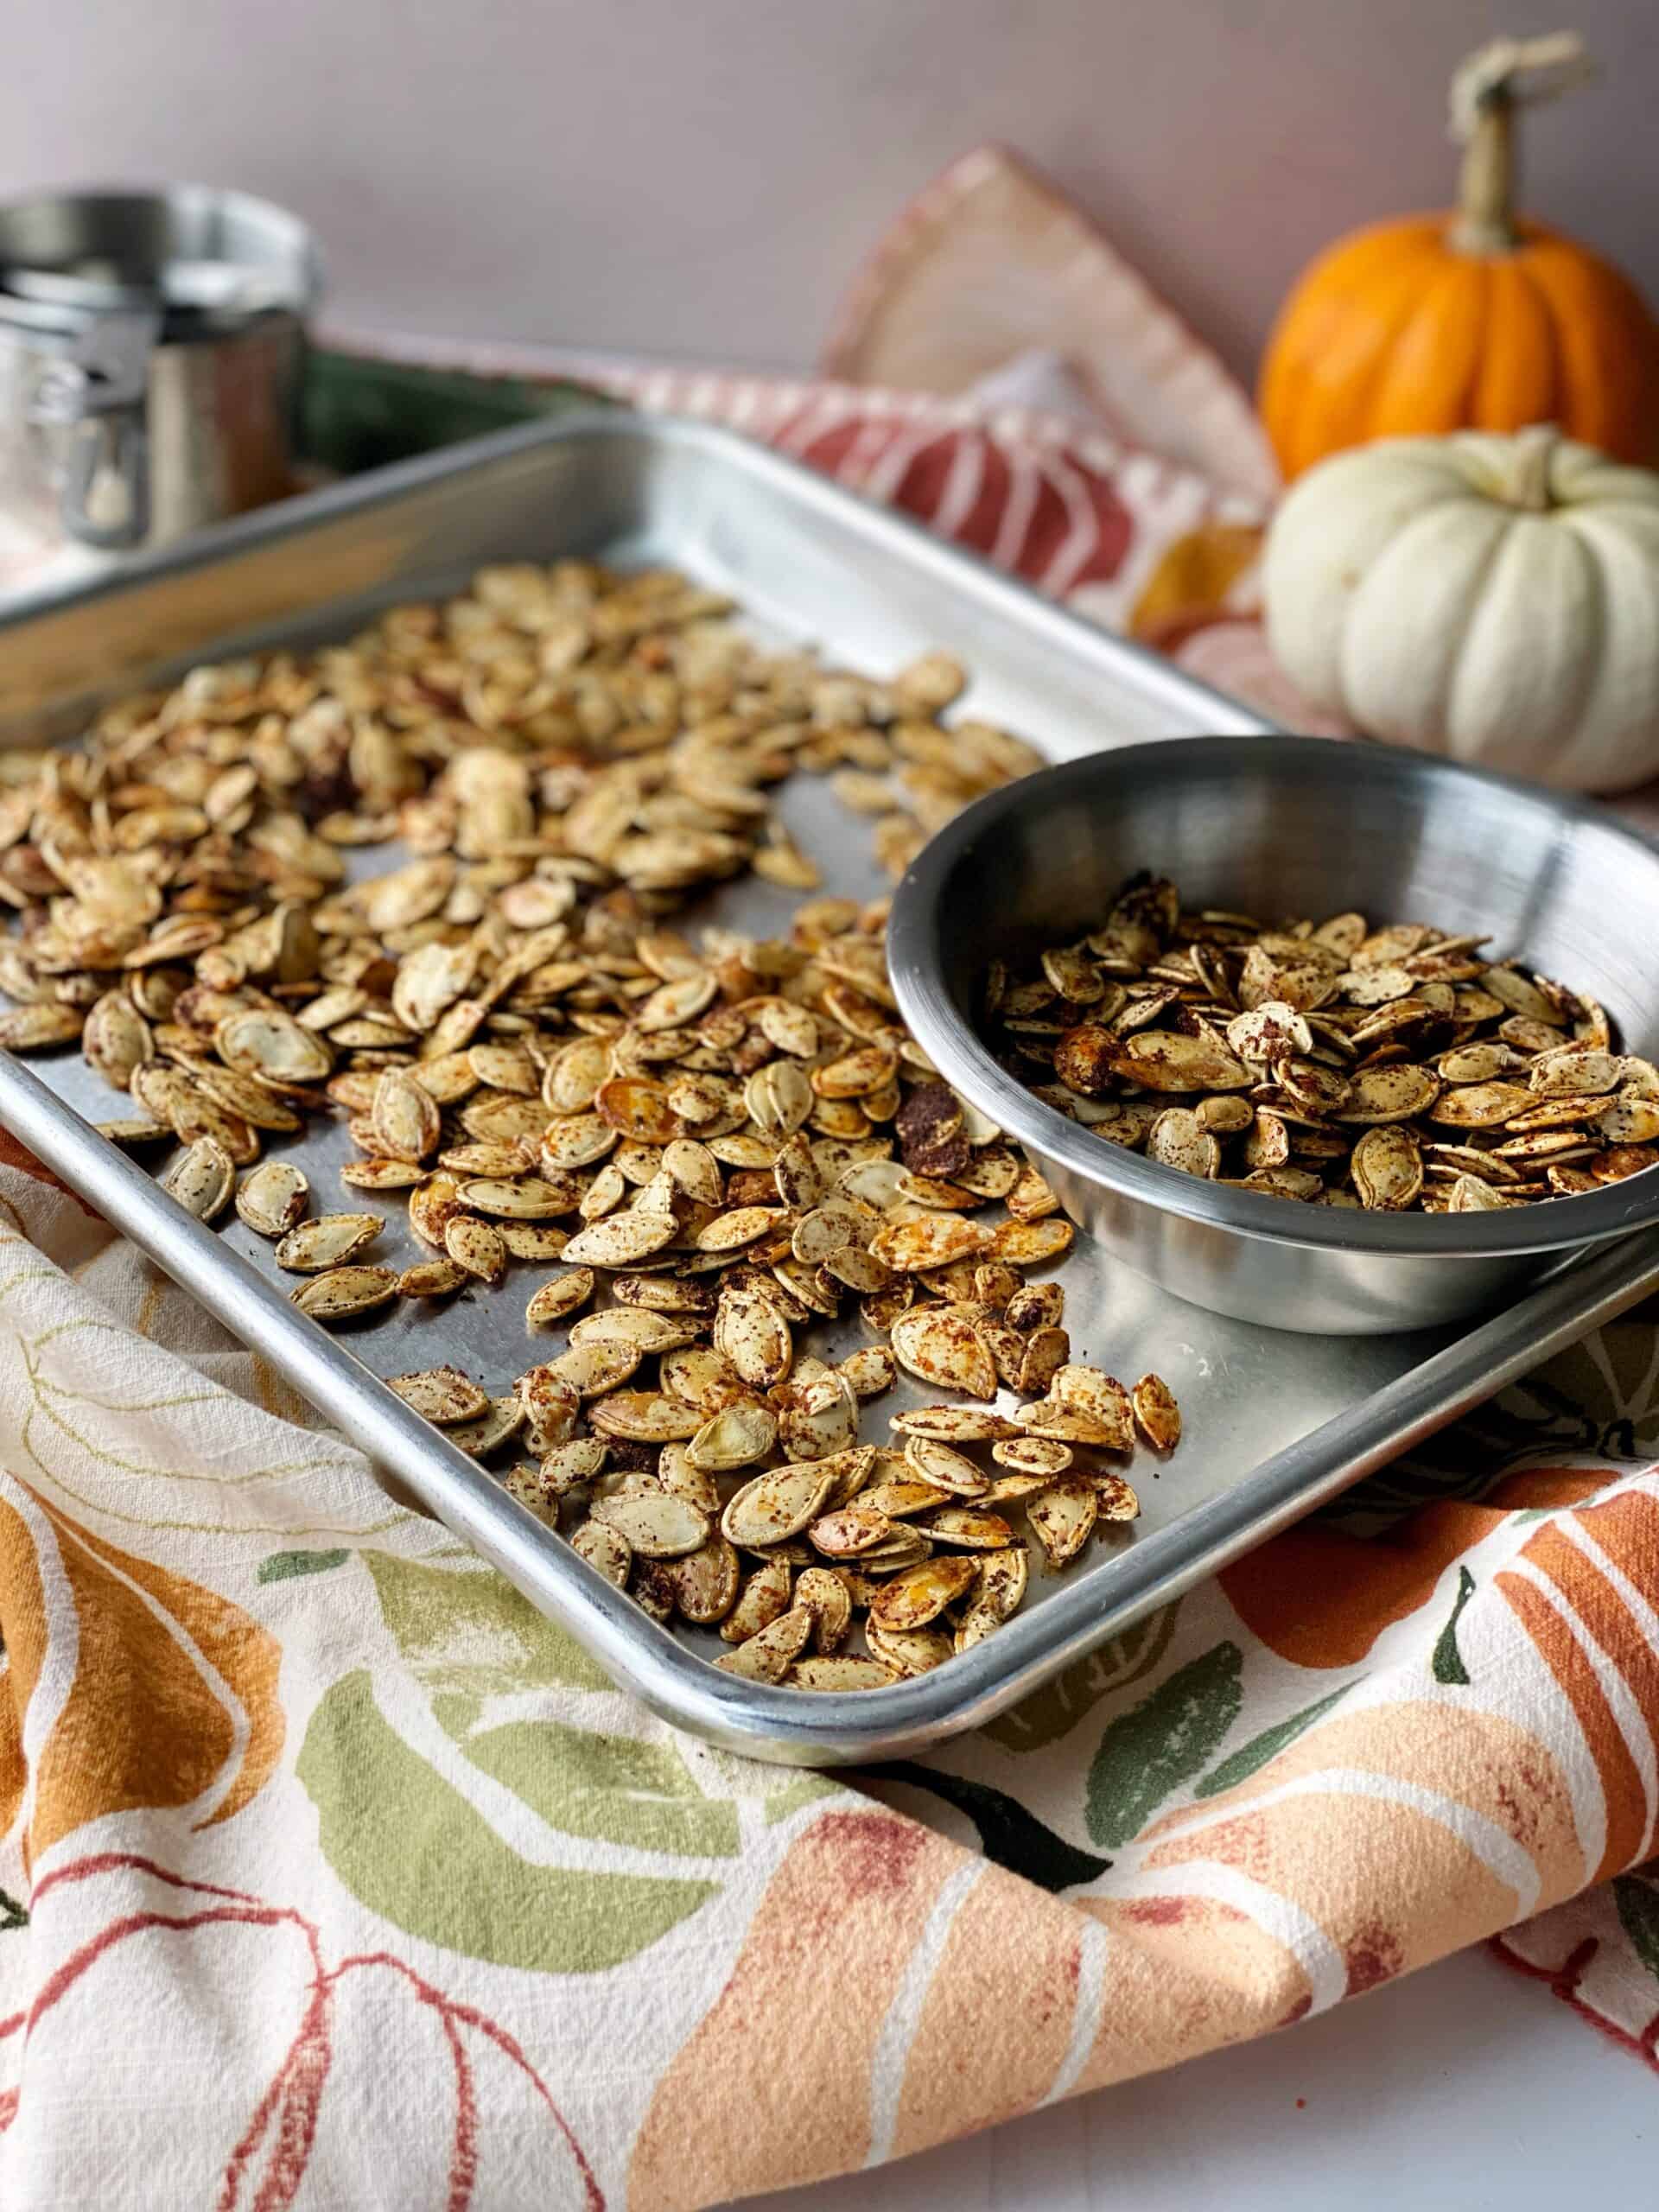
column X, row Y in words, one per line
column 150, row 351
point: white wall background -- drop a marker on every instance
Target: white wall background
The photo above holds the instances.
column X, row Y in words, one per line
column 697, row 178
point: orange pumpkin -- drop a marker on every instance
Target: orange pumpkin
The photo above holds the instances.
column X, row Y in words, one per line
column 1471, row 320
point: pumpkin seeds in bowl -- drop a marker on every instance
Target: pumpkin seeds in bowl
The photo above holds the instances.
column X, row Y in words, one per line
column 1397, row 1068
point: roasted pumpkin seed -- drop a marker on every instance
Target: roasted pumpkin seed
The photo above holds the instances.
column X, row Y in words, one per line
column 202, row 1180
column 343, row 1293
column 272, row 1198
column 443, row 1394
column 328, row 1240
column 1352, row 1044
column 657, row 1525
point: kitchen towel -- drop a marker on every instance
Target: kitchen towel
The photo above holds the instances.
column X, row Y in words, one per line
column 335, row 1876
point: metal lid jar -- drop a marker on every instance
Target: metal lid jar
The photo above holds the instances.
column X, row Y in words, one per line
column 152, row 346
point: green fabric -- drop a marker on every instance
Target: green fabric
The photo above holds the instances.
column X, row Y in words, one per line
column 358, row 413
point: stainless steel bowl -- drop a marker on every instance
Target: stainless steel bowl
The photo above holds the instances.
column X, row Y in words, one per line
column 1285, row 827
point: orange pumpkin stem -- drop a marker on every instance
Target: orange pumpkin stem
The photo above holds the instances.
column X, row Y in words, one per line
column 1486, row 90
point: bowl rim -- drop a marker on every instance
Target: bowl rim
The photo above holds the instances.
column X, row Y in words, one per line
column 917, row 972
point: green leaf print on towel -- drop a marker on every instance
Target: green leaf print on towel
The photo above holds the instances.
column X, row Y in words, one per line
column 1146, row 1754
column 1639, row 1913
column 1250, row 1757
column 284, row 1567
column 1053, row 1711
column 464, row 1628
column 612, row 1788
column 409, row 1845
column 406, row 1830
column 1447, row 1662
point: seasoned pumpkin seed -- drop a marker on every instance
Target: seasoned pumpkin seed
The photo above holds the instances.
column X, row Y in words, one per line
column 477, row 1246
column 1043, row 1456
column 202, row 1180
column 768, row 1655
column 738, row 1436
column 1156, row 1413
column 909, row 1652
column 840, row 1671
column 1355, row 1045
column 1062, row 1519
column 443, row 1394
column 35, row 1028
column 574, row 1464
column 561, row 1297
column 997, row 1594
column 432, row 1279
column 551, row 1405
column 966, row 1526
column 772, row 1507
column 621, row 1240
column 919, row 1594
column 754, row 1336
column 946, row 1469
column 499, row 1422
column 328, row 1240
column 597, row 1364
column 706, row 1581
column 646, row 1417
column 763, row 1599
column 657, row 1525
column 938, row 1347
column 343, row 1293
column 272, row 1198
column 928, row 1241
column 607, row 1550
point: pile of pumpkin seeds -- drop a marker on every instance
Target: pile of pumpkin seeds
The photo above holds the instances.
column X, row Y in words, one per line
column 1395, row 1068
column 716, row 1142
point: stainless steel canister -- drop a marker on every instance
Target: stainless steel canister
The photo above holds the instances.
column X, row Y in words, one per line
column 151, row 346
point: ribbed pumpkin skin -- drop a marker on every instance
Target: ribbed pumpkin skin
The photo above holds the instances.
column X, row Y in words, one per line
column 1394, row 333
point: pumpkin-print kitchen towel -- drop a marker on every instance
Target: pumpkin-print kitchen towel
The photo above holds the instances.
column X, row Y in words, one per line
column 331, row 1875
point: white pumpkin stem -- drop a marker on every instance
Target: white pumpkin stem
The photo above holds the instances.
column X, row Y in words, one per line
column 1486, row 90
column 1527, row 483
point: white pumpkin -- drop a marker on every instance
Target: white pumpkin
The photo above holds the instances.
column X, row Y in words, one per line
column 1492, row 598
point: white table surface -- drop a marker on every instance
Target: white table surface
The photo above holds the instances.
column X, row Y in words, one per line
column 1464, row 2089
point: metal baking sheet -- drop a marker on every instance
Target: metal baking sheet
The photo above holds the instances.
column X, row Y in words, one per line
column 1275, row 1424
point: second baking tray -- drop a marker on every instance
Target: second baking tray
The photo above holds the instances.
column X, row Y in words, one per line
column 1275, row 1424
